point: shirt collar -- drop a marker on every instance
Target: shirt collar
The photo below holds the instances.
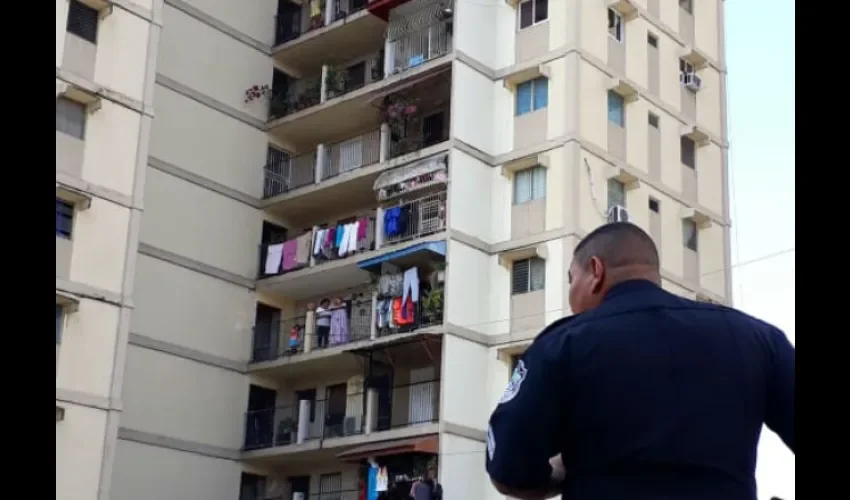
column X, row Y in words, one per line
column 629, row 287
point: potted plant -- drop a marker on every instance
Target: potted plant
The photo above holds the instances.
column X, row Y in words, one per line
column 285, row 431
column 334, row 82
column 432, row 305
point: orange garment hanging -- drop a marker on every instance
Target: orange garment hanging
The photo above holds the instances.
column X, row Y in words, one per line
column 398, row 318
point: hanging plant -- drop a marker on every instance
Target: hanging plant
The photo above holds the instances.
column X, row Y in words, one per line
column 257, row 92
column 396, row 108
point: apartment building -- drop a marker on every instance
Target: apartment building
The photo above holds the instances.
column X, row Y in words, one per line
column 105, row 52
column 356, row 215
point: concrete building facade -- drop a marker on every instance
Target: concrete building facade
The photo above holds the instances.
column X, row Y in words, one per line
column 427, row 166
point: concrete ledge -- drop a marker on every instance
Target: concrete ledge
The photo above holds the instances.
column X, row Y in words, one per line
column 188, row 353
column 88, row 400
column 84, row 291
column 187, row 263
column 171, row 443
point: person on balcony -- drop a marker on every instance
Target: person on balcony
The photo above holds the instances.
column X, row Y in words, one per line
column 323, row 323
column 643, row 394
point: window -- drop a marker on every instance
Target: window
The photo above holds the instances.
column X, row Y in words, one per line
column 532, row 12
column 70, row 118
column 528, row 275
column 654, row 205
column 532, row 95
column 616, row 109
column 616, row 193
column 529, row 185
column 615, row 25
column 688, row 152
column 653, row 120
column 82, row 21
column 59, row 317
column 687, row 6
column 685, row 68
column 689, row 234
column 652, row 40
column 64, row 219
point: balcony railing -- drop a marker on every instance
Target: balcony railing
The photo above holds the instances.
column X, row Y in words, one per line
column 348, row 78
column 273, row 340
column 285, row 175
column 349, row 322
column 305, row 421
column 304, row 93
column 349, row 415
column 409, row 220
column 296, row 20
column 317, row 247
column 418, row 47
column 351, row 154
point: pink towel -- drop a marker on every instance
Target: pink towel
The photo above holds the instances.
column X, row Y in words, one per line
column 290, row 251
column 362, row 224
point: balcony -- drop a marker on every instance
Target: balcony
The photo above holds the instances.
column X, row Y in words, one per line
column 306, row 32
column 351, row 88
column 319, row 260
column 318, row 414
column 327, row 177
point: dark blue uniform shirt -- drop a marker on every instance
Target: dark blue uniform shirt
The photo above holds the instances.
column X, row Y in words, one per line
column 649, row 396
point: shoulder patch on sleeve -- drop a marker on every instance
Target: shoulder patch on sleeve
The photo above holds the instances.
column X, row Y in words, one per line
column 491, row 443
column 515, row 383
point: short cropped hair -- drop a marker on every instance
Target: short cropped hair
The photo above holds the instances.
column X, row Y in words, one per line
column 618, row 244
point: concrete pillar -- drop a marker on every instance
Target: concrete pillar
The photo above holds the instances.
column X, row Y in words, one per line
column 373, row 329
column 323, row 93
column 309, row 330
column 330, row 10
column 303, row 420
column 384, row 153
column 371, row 411
column 379, row 227
column 321, row 159
column 61, row 30
column 389, row 58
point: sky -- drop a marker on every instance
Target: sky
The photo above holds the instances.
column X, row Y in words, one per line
column 760, row 61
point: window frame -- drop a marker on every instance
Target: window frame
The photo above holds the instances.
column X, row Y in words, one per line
column 534, row 20
column 533, row 86
column 622, row 100
column 65, row 121
column 621, row 193
column 692, row 242
column 530, row 172
column 77, row 23
column 65, row 211
column 617, row 31
column 532, row 263
column 685, row 69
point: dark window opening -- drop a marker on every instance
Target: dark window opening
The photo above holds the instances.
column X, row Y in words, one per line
column 689, row 154
column 652, row 40
column 64, row 219
column 653, row 120
column 654, row 205
column 82, row 21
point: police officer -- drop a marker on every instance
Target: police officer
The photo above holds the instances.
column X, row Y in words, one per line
column 642, row 394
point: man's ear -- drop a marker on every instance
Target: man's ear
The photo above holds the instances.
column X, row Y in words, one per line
column 597, row 269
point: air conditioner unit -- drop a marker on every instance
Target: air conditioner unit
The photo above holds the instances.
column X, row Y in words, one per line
column 692, row 81
column 618, row 213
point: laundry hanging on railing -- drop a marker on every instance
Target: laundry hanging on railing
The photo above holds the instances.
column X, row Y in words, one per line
column 289, row 255
column 344, row 239
column 398, row 294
